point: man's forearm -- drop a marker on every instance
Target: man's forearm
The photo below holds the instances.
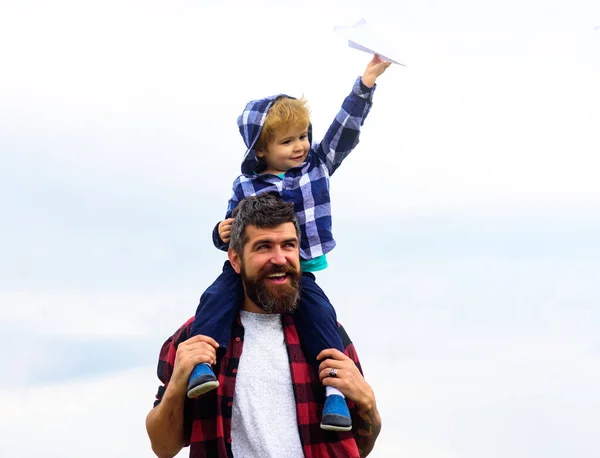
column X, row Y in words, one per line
column 366, row 428
column 164, row 424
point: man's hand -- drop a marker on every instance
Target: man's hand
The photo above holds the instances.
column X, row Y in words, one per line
column 348, row 380
column 164, row 422
column 196, row 350
column 374, row 69
column 351, row 383
column 225, row 229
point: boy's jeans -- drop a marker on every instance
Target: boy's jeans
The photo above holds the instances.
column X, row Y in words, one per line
column 315, row 317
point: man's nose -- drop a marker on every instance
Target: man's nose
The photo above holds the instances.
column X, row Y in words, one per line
column 278, row 257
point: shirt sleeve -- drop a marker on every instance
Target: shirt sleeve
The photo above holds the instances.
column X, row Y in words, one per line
column 343, row 134
column 350, row 352
column 166, row 361
column 349, row 349
column 216, row 238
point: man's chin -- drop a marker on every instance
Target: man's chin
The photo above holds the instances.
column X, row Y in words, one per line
column 277, row 290
column 273, row 297
column 279, row 298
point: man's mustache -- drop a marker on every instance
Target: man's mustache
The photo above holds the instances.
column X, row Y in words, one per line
column 278, row 269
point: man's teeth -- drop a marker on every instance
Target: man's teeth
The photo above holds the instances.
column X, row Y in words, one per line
column 281, row 274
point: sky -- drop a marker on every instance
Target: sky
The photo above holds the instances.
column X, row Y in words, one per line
column 467, row 219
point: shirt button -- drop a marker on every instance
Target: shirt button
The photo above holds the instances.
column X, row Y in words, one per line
column 234, row 371
column 229, row 440
column 237, row 339
column 230, row 404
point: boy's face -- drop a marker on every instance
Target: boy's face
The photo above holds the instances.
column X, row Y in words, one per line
column 288, row 149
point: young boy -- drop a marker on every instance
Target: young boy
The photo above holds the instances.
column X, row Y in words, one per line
column 279, row 158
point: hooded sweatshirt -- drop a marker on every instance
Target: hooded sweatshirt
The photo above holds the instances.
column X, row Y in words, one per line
column 306, row 186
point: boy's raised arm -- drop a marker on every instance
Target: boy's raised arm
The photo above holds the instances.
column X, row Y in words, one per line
column 343, row 134
column 374, row 70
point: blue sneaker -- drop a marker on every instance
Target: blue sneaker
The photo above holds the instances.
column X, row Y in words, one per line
column 202, row 380
column 336, row 416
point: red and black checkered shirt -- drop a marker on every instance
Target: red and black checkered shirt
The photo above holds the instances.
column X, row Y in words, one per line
column 207, row 421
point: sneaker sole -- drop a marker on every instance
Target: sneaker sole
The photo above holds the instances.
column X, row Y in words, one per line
column 335, row 428
column 201, row 389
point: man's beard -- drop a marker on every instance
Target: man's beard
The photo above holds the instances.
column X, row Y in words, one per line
column 274, row 298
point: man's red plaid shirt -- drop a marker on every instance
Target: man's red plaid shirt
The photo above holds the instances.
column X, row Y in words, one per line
column 207, row 421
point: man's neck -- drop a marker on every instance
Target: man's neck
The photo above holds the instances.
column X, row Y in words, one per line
column 250, row 306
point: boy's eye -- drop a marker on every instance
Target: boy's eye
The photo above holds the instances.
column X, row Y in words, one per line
column 286, row 142
column 303, row 137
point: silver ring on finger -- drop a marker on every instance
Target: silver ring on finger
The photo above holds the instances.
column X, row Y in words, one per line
column 333, row 372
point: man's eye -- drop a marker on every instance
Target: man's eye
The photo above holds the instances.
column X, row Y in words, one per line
column 262, row 247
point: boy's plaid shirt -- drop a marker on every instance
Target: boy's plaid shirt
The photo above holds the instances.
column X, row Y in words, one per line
column 307, row 186
column 207, row 419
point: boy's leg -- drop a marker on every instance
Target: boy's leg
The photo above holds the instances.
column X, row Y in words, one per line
column 218, row 306
column 214, row 316
column 316, row 322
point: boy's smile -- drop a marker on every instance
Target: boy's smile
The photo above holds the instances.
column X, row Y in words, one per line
column 288, row 149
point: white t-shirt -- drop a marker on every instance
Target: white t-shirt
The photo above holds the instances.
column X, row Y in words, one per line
column 263, row 419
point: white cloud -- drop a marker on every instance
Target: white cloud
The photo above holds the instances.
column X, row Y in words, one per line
column 470, row 243
column 94, row 417
column 511, row 127
column 94, row 315
column 419, row 402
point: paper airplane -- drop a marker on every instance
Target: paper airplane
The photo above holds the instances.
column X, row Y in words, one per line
column 361, row 37
column 355, row 45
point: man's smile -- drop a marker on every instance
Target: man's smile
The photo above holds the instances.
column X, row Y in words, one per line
column 278, row 278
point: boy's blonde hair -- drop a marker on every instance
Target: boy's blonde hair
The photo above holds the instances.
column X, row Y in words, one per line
column 285, row 113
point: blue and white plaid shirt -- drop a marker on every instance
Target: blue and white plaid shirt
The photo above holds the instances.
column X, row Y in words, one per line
column 307, row 186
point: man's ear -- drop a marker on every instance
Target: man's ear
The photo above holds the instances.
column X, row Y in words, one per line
column 235, row 261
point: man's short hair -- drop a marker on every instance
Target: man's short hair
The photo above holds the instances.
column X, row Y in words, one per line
column 266, row 210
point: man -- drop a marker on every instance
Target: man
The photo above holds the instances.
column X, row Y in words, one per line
column 272, row 411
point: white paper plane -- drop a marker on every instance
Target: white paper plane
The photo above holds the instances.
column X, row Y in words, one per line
column 361, row 37
column 355, row 45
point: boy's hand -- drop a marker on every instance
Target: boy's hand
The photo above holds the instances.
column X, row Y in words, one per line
column 374, row 69
column 225, row 229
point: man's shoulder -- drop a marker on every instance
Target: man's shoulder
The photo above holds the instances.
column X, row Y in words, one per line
column 185, row 328
column 187, row 325
column 181, row 335
column 168, row 352
column 348, row 345
column 344, row 335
